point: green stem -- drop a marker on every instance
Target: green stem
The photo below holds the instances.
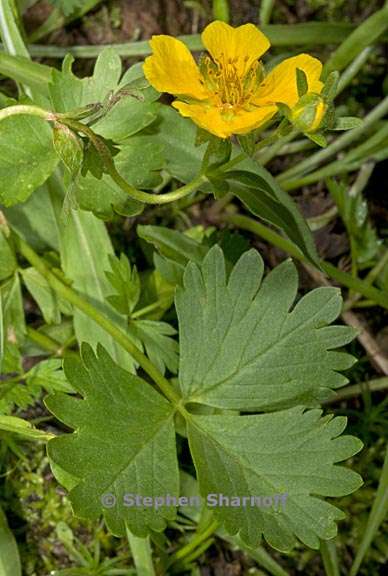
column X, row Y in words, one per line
column 376, row 517
column 302, row 34
column 26, row 110
column 334, row 169
column 265, row 14
column 287, row 246
column 353, row 69
column 79, row 302
column 375, row 385
column 196, row 541
column 48, row 343
column 318, row 222
column 150, row 308
column 330, row 558
column 138, row 195
column 369, row 279
column 267, row 155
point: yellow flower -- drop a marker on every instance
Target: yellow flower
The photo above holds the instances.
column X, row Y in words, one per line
column 228, row 92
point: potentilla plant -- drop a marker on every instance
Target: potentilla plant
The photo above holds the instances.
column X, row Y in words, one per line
column 254, row 362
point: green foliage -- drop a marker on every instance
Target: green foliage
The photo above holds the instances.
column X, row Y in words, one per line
column 243, row 348
column 269, row 455
column 8, row 263
column 108, row 455
column 9, row 556
column 227, row 384
column 27, row 157
column 12, row 325
column 253, row 184
column 156, row 339
column 219, row 367
column 353, row 210
column 126, row 282
column 67, row 6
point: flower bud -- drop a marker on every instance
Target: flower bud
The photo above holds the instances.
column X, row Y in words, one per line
column 309, row 113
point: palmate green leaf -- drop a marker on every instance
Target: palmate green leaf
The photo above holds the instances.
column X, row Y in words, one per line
column 242, row 346
column 48, row 374
column 125, row 281
column 27, row 157
column 68, row 92
column 156, row 339
column 291, row 453
column 287, row 456
column 124, row 443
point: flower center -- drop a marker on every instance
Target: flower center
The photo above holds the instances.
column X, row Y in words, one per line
column 231, row 82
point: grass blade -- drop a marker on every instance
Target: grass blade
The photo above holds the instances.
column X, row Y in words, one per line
column 221, row 10
column 57, row 20
column 9, row 554
column 21, row 69
column 376, row 517
column 329, row 557
column 265, row 14
column 9, row 29
column 310, row 33
column 364, row 35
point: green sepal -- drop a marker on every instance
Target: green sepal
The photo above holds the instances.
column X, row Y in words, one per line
column 218, row 152
column 247, row 142
column 317, row 138
column 301, row 82
column 69, row 148
column 346, row 123
column 220, row 186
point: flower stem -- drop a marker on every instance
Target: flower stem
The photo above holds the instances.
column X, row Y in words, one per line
column 26, row 110
column 138, row 195
column 79, row 302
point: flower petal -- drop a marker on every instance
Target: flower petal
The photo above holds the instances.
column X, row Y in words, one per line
column 280, row 85
column 223, row 125
column 243, row 45
column 172, row 68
